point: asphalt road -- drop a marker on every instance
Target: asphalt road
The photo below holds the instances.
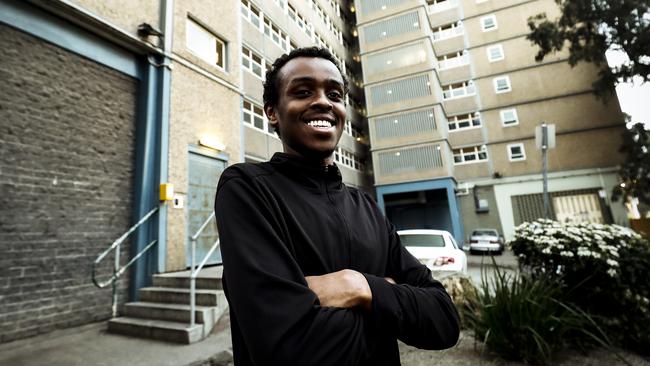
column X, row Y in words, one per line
column 482, row 264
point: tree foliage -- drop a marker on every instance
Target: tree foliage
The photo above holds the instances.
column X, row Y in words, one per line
column 635, row 170
column 591, row 27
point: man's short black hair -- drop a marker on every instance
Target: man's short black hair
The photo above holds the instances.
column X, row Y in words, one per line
column 271, row 94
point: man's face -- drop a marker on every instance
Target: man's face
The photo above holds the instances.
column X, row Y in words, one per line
column 311, row 109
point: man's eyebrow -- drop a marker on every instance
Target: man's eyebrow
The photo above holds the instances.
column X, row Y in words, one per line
column 309, row 79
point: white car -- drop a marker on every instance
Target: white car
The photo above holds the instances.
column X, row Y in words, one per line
column 436, row 249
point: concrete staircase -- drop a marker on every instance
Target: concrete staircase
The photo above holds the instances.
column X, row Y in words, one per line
column 163, row 311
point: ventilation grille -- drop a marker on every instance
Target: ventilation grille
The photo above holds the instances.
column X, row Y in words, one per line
column 407, row 124
column 392, row 27
column 400, row 90
column 410, row 160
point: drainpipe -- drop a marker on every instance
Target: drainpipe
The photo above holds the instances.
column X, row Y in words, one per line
column 167, row 24
column 153, row 152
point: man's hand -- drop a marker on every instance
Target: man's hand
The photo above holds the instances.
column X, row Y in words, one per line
column 343, row 289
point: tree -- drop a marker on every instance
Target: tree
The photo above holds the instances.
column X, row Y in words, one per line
column 591, row 27
column 635, row 171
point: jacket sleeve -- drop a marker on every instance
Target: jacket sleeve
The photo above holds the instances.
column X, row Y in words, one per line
column 418, row 309
column 279, row 317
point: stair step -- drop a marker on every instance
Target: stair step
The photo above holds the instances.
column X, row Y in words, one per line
column 181, row 296
column 184, row 282
column 171, row 312
column 156, row 329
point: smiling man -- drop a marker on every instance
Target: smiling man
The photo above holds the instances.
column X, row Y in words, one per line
column 313, row 271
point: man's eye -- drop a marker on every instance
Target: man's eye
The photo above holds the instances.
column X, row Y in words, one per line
column 302, row 93
column 335, row 95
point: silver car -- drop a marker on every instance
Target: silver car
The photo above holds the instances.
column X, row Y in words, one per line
column 486, row 240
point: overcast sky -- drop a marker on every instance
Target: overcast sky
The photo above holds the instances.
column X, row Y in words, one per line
column 633, row 97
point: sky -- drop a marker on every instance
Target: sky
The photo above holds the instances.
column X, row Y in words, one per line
column 633, row 97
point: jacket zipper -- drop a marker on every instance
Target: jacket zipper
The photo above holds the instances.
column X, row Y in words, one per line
column 340, row 216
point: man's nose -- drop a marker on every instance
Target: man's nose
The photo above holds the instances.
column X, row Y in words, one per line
column 322, row 101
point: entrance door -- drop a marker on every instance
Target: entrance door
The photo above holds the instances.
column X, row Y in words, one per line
column 204, row 173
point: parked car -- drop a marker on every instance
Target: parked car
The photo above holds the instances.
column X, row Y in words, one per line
column 485, row 241
column 436, row 249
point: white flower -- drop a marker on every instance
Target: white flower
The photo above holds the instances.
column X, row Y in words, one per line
column 546, row 250
column 612, row 263
column 566, row 253
column 611, row 272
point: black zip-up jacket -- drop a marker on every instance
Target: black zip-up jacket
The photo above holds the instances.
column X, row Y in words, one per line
column 285, row 219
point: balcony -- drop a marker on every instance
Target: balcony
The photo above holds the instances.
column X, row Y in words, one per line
column 454, row 67
column 458, row 90
column 410, row 92
column 449, row 39
column 404, row 128
column 459, row 98
column 443, row 12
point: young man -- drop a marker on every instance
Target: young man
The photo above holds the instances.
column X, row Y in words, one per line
column 313, row 272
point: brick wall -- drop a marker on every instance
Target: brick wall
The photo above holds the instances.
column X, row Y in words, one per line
column 66, row 175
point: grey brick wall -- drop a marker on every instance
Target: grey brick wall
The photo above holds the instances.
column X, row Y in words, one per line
column 67, row 137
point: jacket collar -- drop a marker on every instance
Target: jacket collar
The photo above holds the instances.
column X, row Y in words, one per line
column 307, row 171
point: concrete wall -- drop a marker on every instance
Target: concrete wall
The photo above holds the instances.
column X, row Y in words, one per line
column 67, row 133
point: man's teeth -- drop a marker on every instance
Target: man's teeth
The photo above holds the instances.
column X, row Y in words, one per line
column 320, row 123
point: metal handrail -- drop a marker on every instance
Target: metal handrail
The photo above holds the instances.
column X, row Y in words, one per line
column 117, row 271
column 195, row 271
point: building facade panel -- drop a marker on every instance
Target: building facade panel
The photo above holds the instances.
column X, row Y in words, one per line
column 509, row 21
column 413, row 91
column 407, row 127
column 402, row 60
column 220, row 19
column 214, row 113
column 535, row 84
column 369, row 10
column 444, row 12
column 124, row 14
column 393, row 30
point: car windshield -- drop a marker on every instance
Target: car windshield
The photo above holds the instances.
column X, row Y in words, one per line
column 422, row 240
column 484, row 233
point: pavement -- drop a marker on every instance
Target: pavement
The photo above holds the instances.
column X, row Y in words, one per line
column 481, row 264
column 93, row 345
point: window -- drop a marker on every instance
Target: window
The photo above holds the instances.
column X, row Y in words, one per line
column 205, row 45
column 509, row 117
column 253, row 115
column 501, row 84
column 516, row 152
column 279, row 37
column 489, row 23
column 495, row 53
column 464, row 121
column 252, row 62
column 347, row 158
column 250, row 13
column 471, row 154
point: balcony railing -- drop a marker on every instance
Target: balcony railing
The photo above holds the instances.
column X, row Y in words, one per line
column 442, row 6
column 458, row 92
column 450, row 63
column 454, row 31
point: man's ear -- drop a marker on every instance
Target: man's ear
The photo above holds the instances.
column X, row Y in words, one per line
column 271, row 114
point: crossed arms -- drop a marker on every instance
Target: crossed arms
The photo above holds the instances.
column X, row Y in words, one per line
column 335, row 319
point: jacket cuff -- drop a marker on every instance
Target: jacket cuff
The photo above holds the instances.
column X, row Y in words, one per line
column 386, row 310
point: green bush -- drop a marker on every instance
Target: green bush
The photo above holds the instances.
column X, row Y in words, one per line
column 523, row 318
column 603, row 268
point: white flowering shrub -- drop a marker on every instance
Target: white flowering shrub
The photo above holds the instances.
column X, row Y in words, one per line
column 605, row 270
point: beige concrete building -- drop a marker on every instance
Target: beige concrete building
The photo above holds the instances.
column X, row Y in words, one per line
column 454, row 95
